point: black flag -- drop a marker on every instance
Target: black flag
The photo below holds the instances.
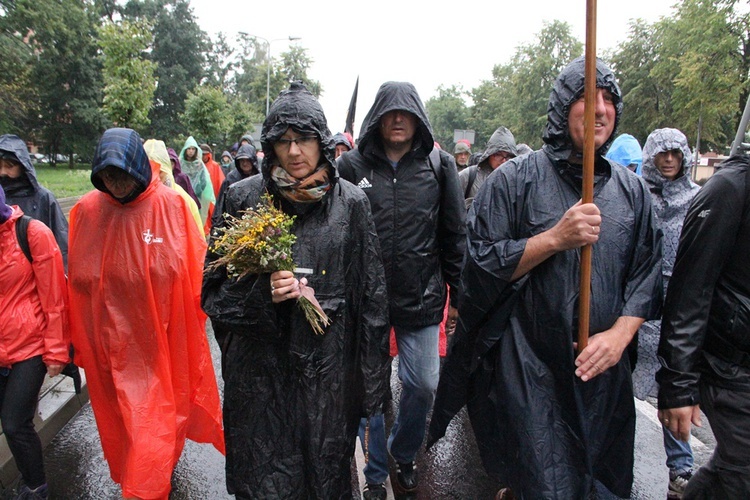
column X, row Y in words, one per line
column 349, row 127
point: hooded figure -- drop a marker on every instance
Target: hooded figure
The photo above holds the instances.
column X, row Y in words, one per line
column 419, row 214
column 35, row 200
column 627, row 152
column 226, row 162
column 180, row 178
column 200, row 179
column 248, row 153
column 542, row 427
column 214, row 169
column 157, row 152
column 137, row 326
column 704, row 348
column 342, row 143
column 472, row 178
column 293, row 399
column 34, row 337
column 671, row 200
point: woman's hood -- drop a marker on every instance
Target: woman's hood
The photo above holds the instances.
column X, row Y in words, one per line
column 121, row 148
column 297, row 108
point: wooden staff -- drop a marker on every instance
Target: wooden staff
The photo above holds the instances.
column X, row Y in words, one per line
column 589, row 92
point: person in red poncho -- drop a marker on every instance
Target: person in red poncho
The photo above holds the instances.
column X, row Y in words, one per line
column 34, row 336
column 135, row 267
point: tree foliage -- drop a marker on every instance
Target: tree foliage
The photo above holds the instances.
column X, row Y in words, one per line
column 518, row 94
column 253, row 78
column 60, row 84
column 179, row 49
column 447, row 112
column 687, row 69
column 129, row 82
column 207, row 114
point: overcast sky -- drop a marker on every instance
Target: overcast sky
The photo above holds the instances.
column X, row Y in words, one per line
column 426, row 43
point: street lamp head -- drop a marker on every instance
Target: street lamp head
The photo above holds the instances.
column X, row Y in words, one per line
column 294, row 38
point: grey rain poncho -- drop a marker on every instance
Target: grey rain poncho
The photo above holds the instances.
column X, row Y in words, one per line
column 671, row 200
column 540, row 429
column 293, row 399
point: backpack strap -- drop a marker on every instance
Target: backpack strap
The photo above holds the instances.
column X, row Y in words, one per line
column 434, row 161
column 472, row 177
column 22, row 230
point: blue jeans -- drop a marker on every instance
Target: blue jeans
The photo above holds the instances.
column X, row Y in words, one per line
column 679, row 453
column 419, row 371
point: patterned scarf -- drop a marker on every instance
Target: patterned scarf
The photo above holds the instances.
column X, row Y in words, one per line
column 308, row 190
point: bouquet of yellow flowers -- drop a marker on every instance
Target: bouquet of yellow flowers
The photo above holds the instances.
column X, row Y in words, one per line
column 260, row 241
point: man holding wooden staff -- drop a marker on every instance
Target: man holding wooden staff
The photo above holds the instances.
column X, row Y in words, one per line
column 551, row 423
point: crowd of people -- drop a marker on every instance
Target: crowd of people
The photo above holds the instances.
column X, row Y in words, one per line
column 394, row 236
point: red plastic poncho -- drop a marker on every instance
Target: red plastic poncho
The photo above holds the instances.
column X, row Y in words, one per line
column 135, row 274
column 33, row 296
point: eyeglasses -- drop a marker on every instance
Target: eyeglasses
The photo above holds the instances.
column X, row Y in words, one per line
column 503, row 156
column 301, row 141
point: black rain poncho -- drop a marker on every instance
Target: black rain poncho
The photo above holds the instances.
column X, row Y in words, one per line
column 35, row 200
column 293, row 399
column 540, row 429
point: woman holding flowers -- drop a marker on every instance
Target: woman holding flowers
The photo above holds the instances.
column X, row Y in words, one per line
column 293, row 397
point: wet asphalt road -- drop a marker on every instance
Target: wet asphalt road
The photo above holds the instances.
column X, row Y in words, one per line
column 451, row 470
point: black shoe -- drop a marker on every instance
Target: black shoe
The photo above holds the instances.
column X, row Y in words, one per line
column 374, row 492
column 406, row 477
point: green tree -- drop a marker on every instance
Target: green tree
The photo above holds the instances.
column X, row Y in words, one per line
column 447, row 111
column 208, row 114
column 180, row 48
column 294, row 65
column 128, row 76
column 705, row 61
column 687, row 69
column 518, row 94
column 244, row 117
column 250, row 80
column 64, row 83
column 16, row 89
column 647, row 99
column 220, row 63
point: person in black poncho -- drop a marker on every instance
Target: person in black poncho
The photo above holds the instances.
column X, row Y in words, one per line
column 293, row 399
column 550, row 423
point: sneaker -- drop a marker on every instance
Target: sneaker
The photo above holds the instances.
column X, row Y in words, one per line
column 374, row 492
column 505, row 494
column 39, row 493
column 677, row 484
column 406, row 477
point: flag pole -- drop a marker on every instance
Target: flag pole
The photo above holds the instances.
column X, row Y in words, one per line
column 588, row 169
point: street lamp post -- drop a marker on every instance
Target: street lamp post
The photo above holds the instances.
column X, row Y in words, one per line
column 268, row 69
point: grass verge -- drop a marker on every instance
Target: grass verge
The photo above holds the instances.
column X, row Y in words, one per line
column 63, row 181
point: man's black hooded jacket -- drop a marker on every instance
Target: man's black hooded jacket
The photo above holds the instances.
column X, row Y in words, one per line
column 418, row 210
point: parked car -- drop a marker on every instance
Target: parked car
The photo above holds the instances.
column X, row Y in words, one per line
column 38, row 158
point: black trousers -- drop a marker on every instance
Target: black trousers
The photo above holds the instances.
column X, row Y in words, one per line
column 19, row 394
column 727, row 473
